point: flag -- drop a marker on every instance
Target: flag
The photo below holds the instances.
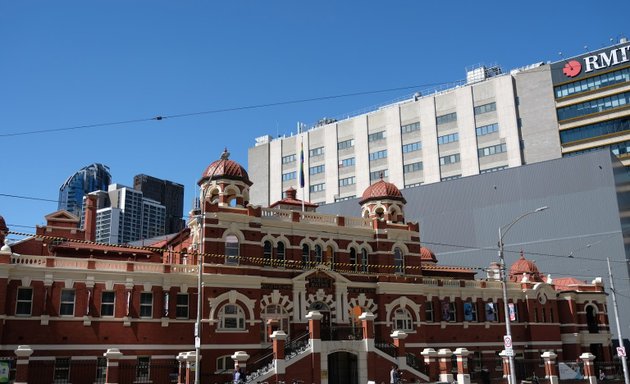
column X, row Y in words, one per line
column 302, row 165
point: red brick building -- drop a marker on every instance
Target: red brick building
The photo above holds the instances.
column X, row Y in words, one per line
column 353, row 295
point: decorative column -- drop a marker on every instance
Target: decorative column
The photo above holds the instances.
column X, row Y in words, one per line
column 367, row 323
column 431, row 361
column 113, row 356
column 23, row 352
column 240, row 362
column 181, row 371
column 589, row 369
column 191, row 358
column 444, row 356
column 367, row 326
column 463, row 377
column 279, row 339
column 314, row 326
column 506, row 366
column 551, row 369
column 399, row 341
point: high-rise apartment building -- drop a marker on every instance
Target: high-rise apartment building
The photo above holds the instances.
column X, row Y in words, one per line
column 125, row 215
column 493, row 121
column 167, row 193
column 88, row 179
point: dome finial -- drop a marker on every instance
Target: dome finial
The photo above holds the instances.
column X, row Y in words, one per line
column 225, row 155
column 381, row 174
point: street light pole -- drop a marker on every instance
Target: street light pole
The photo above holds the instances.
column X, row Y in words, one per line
column 199, row 219
column 508, row 328
column 624, row 363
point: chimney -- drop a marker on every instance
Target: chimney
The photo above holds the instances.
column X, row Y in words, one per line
column 90, row 218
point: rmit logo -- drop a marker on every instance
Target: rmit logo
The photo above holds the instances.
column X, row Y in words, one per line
column 572, row 68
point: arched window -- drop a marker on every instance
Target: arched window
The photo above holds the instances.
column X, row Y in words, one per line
column 306, row 256
column 330, row 257
column 267, row 249
column 280, row 255
column 318, row 254
column 402, row 320
column 380, row 213
column 225, row 364
column 231, row 250
column 274, row 318
column 364, row 261
column 591, row 319
column 399, row 261
column 231, row 317
column 354, row 266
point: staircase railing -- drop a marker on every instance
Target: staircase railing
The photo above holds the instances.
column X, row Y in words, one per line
column 387, row 347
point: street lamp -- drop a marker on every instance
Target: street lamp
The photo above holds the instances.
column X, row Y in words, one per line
column 508, row 329
column 199, row 219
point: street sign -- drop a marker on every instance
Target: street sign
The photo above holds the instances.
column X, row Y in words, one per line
column 621, row 352
column 507, row 342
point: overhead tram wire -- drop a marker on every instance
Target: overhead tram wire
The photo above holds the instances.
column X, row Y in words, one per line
column 221, row 110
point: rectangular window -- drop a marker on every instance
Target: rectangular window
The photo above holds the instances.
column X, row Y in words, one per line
column 470, row 311
column 142, row 369
column 449, row 117
column 493, row 169
column 413, row 167
column 376, row 136
column 492, row 150
column 451, row 159
column 316, row 169
column 62, row 370
column 181, row 311
column 67, row 302
column 288, row 159
column 411, row 147
column 410, row 127
column 428, row 311
column 481, row 109
column 316, row 152
column 448, row 311
column 349, row 162
column 289, row 176
column 487, row 129
column 376, row 175
column 344, row 198
column 24, row 303
column 107, row 303
column 594, row 106
column 345, row 144
column 453, row 177
column 347, row 181
column 413, row 185
column 146, row 304
column 450, row 138
column 317, row 188
column 378, row 155
column 491, row 312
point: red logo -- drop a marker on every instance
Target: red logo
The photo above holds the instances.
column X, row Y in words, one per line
column 572, row 68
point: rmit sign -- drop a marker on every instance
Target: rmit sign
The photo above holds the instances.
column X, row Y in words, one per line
column 586, row 64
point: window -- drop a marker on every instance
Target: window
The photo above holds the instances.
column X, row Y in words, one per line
column 451, row 159
column 107, row 303
column 481, row 109
column 317, row 187
column 345, row 144
column 344, row 198
column 231, row 317
column 142, row 369
column 316, row 151
column 376, row 175
column 24, row 302
column 280, row 254
column 347, row 181
column 318, row 254
column 399, row 261
column 353, row 260
column 413, row 167
column 281, row 321
column 67, row 302
column 449, row 312
column 288, row 159
column 428, row 311
column 594, row 106
column 289, row 176
column 452, row 177
column 306, row 255
column 181, row 310
column 349, row 162
column 413, row 185
column 62, row 370
column 491, row 312
column 378, row 155
column 487, row 129
column 450, row 138
column 364, row 261
column 492, row 150
column 412, row 147
column 470, row 311
column 402, row 320
column 316, row 169
column 267, row 253
column 225, row 364
column 231, row 250
column 595, row 82
column 376, row 136
column 493, row 169
column 146, row 304
column 594, row 130
column 410, row 127
column 449, row 117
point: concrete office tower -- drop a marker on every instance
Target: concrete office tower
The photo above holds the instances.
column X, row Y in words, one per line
column 88, row 179
column 167, row 193
column 125, row 215
column 493, row 121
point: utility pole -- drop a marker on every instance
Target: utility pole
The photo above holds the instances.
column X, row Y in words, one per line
column 624, row 361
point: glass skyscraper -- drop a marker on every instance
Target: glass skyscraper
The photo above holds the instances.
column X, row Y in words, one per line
column 88, row 179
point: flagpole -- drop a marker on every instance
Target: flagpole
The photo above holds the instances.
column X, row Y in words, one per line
column 302, row 172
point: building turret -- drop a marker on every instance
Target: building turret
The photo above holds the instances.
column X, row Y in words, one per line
column 225, row 182
column 384, row 201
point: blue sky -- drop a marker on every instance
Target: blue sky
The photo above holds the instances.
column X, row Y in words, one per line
column 66, row 64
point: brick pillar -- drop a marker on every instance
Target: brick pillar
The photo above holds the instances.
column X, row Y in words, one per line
column 463, row 375
column 589, row 368
column 23, row 352
column 314, row 326
column 367, row 323
column 506, row 366
column 190, row 358
column 444, row 357
column 551, row 369
column 399, row 341
column 279, row 339
column 431, row 362
column 181, row 371
column 240, row 362
column 113, row 356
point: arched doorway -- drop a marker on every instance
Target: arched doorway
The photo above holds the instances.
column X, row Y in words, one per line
column 342, row 368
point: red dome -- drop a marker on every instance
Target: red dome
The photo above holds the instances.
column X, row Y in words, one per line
column 522, row 265
column 225, row 168
column 382, row 190
column 427, row 255
column 3, row 225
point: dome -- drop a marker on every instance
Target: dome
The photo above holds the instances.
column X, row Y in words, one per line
column 522, row 265
column 382, row 190
column 225, row 168
column 3, row 225
column 427, row 254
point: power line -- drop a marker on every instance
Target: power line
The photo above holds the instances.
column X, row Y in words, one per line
column 28, row 198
